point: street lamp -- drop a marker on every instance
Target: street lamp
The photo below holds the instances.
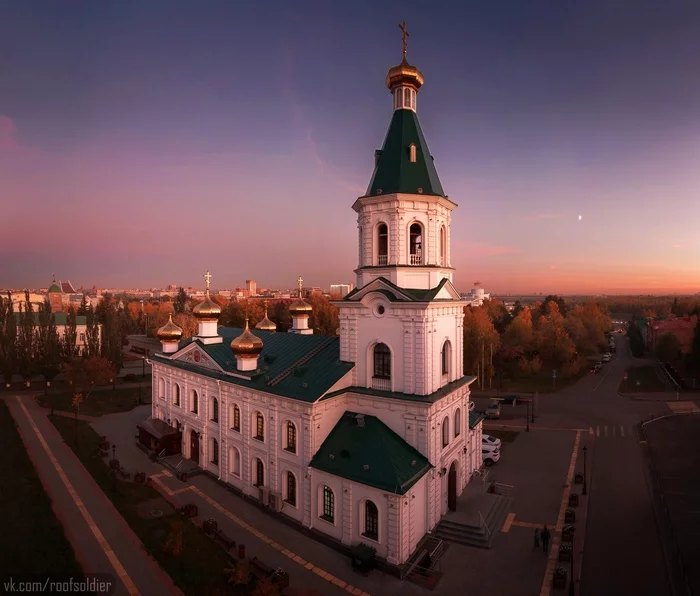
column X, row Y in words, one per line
column 527, row 417
column 585, row 487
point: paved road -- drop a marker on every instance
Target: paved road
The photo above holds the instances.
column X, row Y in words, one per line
column 102, row 540
column 623, row 553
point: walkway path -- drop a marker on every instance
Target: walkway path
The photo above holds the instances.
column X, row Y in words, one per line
column 102, row 540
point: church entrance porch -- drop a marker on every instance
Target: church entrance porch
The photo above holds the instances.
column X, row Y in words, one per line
column 158, row 436
column 452, row 488
column 194, row 446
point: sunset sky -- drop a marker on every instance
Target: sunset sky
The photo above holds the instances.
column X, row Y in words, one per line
column 142, row 143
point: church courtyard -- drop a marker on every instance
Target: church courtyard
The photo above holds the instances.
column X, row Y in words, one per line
column 536, row 464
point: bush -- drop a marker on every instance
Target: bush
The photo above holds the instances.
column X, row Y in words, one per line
column 130, row 378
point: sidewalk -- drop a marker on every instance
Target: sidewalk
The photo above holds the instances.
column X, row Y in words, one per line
column 310, row 564
column 102, row 540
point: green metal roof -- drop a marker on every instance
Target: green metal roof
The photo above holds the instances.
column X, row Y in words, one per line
column 370, row 453
column 60, row 318
column 394, row 172
column 302, row 367
column 55, row 288
column 475, row 418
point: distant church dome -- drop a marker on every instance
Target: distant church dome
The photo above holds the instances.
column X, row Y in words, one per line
column 170, row 331
column 55, row 287
column 246, row 345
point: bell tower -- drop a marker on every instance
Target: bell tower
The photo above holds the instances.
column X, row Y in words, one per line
column 402, row 326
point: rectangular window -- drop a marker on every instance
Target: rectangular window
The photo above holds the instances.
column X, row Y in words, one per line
column 236, row 419
column 259, row 428
column 291, row 489
column 82, row 337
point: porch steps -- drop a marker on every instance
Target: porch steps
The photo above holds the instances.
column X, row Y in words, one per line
column 475, row 534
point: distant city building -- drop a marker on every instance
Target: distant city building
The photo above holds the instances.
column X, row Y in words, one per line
column 341, row 290
column 477, row 295
column 61, row 320
column 252, row 287
column 682, row 327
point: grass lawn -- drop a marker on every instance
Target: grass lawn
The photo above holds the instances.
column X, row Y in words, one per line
column 199, row 570
column 541, row 383
column 100, row 402
column 34, row 539
column 649, row 381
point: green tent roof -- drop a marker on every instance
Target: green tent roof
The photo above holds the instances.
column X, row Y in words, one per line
column 363, row 449
column 55, row 287
column 394, row 171
column 475, row 418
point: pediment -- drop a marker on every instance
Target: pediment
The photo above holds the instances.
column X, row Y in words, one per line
column 447, row 292
column 382, row 286
column 195, row 355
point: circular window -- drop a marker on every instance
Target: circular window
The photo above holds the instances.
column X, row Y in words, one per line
column 380, row 310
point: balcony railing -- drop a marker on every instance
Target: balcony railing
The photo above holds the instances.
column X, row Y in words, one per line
column 381, row 384
column 382, row 259
column 416, row 259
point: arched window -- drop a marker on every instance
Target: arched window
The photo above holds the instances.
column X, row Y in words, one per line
column 415, row 243
column 412, row 153
column 177, row 395
column 259, row 427
column 371, row 521
column 328, row 504
column 161, row 388
column 407, row 97
column 215, row 452
column 290, row 437
column 234, row 462
column 446, row 357
column 214, row 409
column 443, row 246
column 382, row 362
column 445, row 432
column 291, row 489
column 259, row 473
column 382, row 244
column 399, row 97
column 413, row 99
column 195, row 402
column 235, row 418
column 458, row 422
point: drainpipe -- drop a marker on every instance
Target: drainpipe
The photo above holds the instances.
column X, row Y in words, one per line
column 221, row 418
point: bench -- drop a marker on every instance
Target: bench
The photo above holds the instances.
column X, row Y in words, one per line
column 225, row 541
column 259, row 569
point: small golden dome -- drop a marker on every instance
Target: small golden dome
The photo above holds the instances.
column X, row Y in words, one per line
column 170, row 331
column 207, row 310
column 404, row 74
column 246, row 345
column 299, row 307
column 266, row 324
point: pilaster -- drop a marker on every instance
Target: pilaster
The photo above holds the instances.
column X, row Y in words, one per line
column 393, row 528
column 348, row 517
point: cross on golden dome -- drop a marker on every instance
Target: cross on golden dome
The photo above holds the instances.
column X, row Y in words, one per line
column 404, row 36
column 207, row 279
column 301, row 282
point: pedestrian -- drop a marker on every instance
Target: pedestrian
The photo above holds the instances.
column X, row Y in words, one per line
column 536, row 543
column 545, row 535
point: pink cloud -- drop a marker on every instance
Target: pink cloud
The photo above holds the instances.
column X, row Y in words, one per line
column 484, row 249
column 8, row 130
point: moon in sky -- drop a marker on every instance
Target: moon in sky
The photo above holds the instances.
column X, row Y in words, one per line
column 579, row 218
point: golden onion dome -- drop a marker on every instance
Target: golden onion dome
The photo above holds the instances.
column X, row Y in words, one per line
column 404, row 74
column 299, row 307
column 207, row 309
column 246, row 344
column 266, row 324
column 170, row 331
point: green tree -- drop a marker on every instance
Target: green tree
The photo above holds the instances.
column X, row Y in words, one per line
column 558, row 300
column 112, row 337
column 695, row 349
column 180, row 302
column 92, row 334
column 70, row 337
column 26, row 344
column 667, row 347
column 83, row 308
column 675, row 308
column 85, row 374
column 48, row 345
column 8, row 339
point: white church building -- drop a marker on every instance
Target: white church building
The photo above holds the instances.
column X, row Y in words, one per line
column 366, row 436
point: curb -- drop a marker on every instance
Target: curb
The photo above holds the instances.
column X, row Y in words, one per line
column 589, row 487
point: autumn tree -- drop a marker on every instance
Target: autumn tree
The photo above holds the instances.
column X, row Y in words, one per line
column 48, row 345
column 111, row 336
column 26, row 344
column 324, row 316
column 553, row 342
column 8, row 339
column 558, row 300
column 85, row 374
column 667, row 347
column 187, row 323
column 480, row 339
column 180, row 302
column 69, row 340
column 498, row 313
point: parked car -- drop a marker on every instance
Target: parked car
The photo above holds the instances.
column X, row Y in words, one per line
column 493, row 412
column 606, row 357
column 593, row 369
column 488, row 440
column 490, row 455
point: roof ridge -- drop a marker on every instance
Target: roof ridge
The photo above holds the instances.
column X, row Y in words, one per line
column 303, row 360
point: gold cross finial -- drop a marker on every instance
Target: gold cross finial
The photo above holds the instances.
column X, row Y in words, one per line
column 404, row 36
column 207, row 278
column 300, row 281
